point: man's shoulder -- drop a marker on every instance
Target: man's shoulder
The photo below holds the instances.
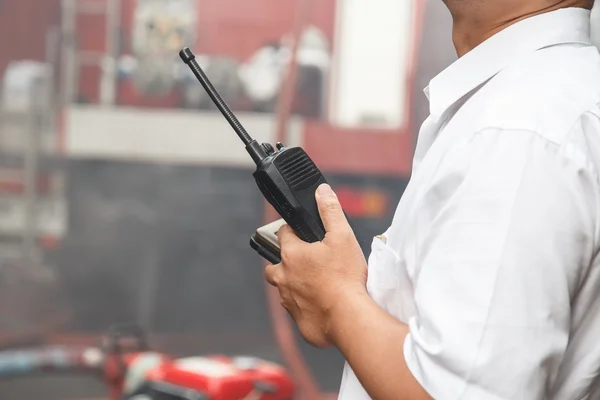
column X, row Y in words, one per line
column 546, row 93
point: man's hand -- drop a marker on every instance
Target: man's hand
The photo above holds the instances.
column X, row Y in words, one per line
column 323, row 287
column 312, row 277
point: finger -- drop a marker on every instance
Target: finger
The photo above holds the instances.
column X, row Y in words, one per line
column 273, row 274
column 330, row 210
column 286, row 236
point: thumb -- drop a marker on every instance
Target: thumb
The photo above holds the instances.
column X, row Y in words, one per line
column 330, row 210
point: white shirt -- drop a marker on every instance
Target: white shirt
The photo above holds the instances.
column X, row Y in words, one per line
column 492, row 258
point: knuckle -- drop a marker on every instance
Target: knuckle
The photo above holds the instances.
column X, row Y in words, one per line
column 341, row 237
column 347, row 234
column 274, row 275
column 269, row 274
column 287, row 254
column 277, row 278
column 331, row 204
column 284, row 231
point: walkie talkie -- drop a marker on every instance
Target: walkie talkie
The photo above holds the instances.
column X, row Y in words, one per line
column 287, row 177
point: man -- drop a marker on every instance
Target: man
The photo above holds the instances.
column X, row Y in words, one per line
column 487, row 284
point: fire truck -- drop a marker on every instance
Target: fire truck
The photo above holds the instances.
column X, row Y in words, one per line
column 156, row 194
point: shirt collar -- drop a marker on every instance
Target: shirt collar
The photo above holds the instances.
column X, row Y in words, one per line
column 568, row 25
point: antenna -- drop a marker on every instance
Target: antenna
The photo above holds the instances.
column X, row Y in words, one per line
column 256, row 151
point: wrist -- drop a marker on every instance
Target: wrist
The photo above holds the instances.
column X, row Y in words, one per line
column 340, row 312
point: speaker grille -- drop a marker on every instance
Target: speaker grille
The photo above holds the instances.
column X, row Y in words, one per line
column 298, row 169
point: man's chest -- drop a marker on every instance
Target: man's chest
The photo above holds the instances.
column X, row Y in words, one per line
column 393, row 261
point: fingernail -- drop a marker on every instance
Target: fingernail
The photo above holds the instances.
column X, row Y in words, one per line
column 325, row 190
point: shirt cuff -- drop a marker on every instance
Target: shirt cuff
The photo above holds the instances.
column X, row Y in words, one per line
column 436, row 376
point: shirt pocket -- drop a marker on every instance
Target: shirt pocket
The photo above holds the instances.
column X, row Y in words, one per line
column 382, row 279
column 388, row 281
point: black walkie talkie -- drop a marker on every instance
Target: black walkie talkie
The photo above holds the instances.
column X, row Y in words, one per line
column 287, row 177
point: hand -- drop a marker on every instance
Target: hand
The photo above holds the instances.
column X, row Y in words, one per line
column 312, row 276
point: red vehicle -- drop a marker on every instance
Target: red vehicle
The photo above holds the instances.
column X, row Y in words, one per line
column 218, row 378
column 131, row 370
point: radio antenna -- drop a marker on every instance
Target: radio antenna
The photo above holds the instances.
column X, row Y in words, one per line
column 256, row 151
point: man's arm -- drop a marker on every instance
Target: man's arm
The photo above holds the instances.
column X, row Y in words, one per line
column 372, row 342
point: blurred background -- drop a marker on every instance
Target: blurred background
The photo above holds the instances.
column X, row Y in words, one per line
column 126, row 198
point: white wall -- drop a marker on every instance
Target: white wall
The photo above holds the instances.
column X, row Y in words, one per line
column 374, row 43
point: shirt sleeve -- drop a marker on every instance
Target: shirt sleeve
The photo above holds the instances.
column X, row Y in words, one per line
column 505, row 233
